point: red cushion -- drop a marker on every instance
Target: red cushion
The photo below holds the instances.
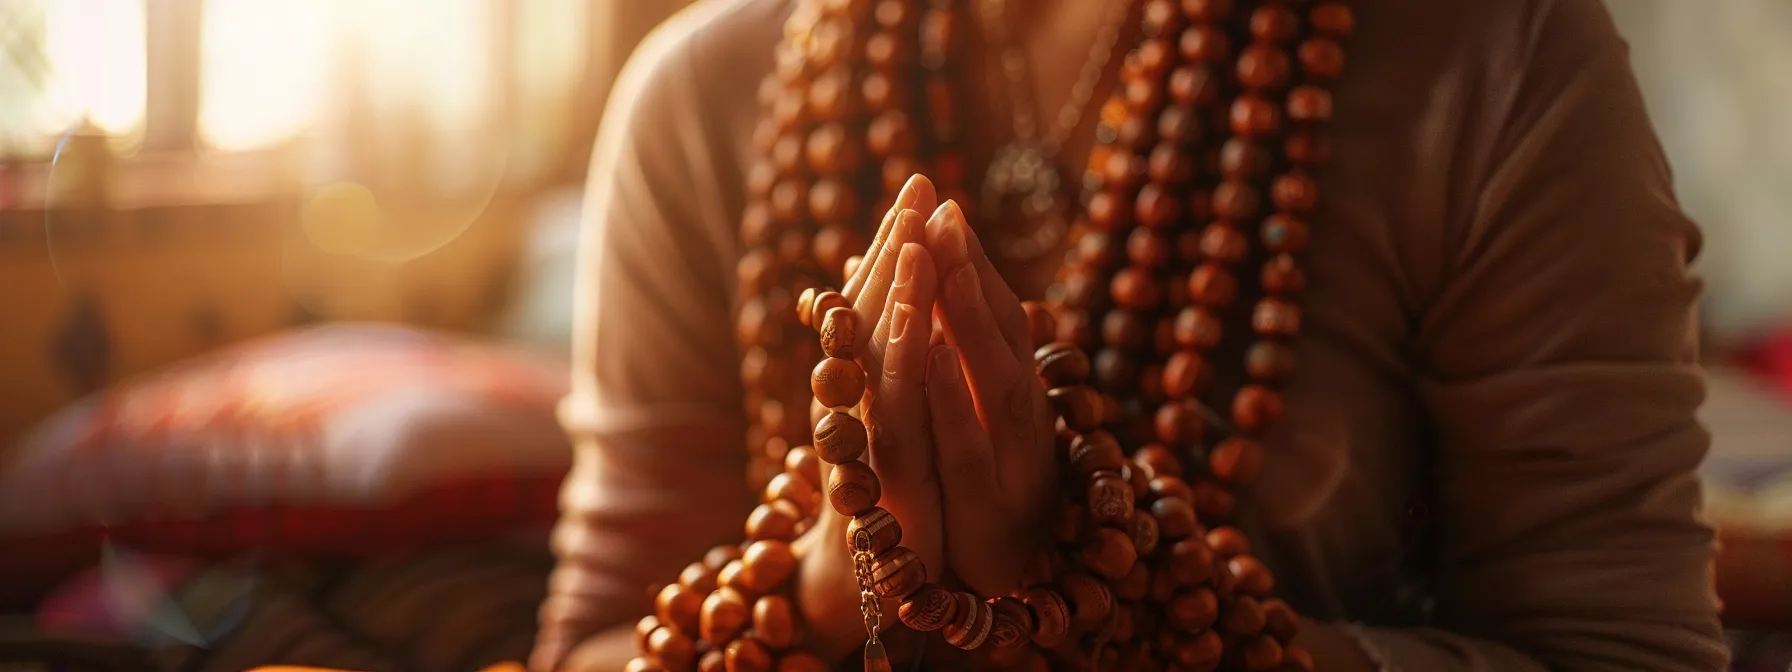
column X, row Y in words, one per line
column 342, row 439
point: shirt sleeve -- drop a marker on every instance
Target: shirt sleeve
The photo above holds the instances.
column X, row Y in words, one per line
column 1559, row 365
column 658, row 474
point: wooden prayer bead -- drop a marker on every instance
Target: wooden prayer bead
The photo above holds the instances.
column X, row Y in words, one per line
column 1261, row 654
column 1199, row 652
column 896, row 574
column 1191, row 562
column 1228, row 542
column 1185, row 373
column 698, row 577
column 1179, row 423
column 1079, row 405
column 748, row 655
column 1159, row 459
column 1107, row 212
column 1253, row 578
column 853, row 488
column 1171, row 486
column 792, row 488
column 875, row 531
column 1143, row 95
column 1194, row 610
column 972, row 624
column 1242, row 159
column 1156, row 207
column 672, row 649
column 890, row 133
column 679, row 607
column 1241, row 616
column 1012, row 624
column 802, row 461
column 642, row 665
column 838, row 382
column 1114, row 369
column 1236, row 461
column 1122, row 329
column 1110, row 500
column 1096, row 451
column 1275, row 317
column 725, row 614
column 1109, row 553
column 1051, row 616
column 840, row 438
column 1137, row 582
column 1175, row 517
column 1332, row 18
column 1060, row 364
column 1089, row 598
column 1195, row 327
column 929, row 609
column 1263, row 67
column 1210, row 11
column 839, row 331
column 1169, row 164
column 1282, row 277
column 645, row 628
column 730, row 576
column 1041, row 329
column 1152, row 56
column 1221, row 241
column 756, row 226
column 1274, row 23
column 1255, row 117
column 1203, row 43
column 1179, row 124
column 766, row 564
column 884, row 50
column 1309, row 104
column 1236, row 201
column 1279, row 620
column 1142, row 531
column 719, row 556
column 1256, row 407
column 1134, row 475
column 1160, row 17
column 774, row 520
column 774, row 621
column 1211, row 501
column 1294, row 193
column 1212, row 286
column 1321, row 59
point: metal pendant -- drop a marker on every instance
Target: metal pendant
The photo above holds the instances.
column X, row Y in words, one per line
column 1023, row 178
column 876, row 660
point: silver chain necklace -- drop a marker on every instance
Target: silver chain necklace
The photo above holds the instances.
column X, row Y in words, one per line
column 1024, row 173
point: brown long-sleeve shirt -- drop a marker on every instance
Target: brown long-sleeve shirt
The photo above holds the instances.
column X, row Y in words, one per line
column 1501, row 315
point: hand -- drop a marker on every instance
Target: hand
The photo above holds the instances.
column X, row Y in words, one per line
column 992, row 428
column 892, row 290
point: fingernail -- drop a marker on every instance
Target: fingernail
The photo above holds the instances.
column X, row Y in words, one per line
column 966, row 285
column 947, row 223
column 906, row 196
column 945, row 365
column 905, row 264
column 899, row 321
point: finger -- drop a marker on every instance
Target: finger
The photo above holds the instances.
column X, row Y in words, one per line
column 875, row 293
column 996, row 379
column 966, row 466
column 897, row 407
column 917, row 194
column 950, row 238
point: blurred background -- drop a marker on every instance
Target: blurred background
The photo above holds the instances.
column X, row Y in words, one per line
column 220, row 215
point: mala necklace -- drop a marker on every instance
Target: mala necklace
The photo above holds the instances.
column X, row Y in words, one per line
column 1024, row 172
column 1203, row 150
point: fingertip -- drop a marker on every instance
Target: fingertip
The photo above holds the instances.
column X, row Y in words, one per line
column 920, row 188
column 946, row 232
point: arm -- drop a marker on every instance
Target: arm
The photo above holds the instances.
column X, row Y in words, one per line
column 655, row 401
column 1559, row 369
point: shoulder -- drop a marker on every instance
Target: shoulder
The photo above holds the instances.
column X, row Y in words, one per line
column 707, row 52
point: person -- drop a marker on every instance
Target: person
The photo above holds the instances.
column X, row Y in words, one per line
column 1500, row 324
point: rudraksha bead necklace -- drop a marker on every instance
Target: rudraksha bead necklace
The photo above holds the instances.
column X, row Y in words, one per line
column 1205, row 166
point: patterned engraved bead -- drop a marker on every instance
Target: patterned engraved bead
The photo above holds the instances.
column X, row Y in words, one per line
column 929, row 609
